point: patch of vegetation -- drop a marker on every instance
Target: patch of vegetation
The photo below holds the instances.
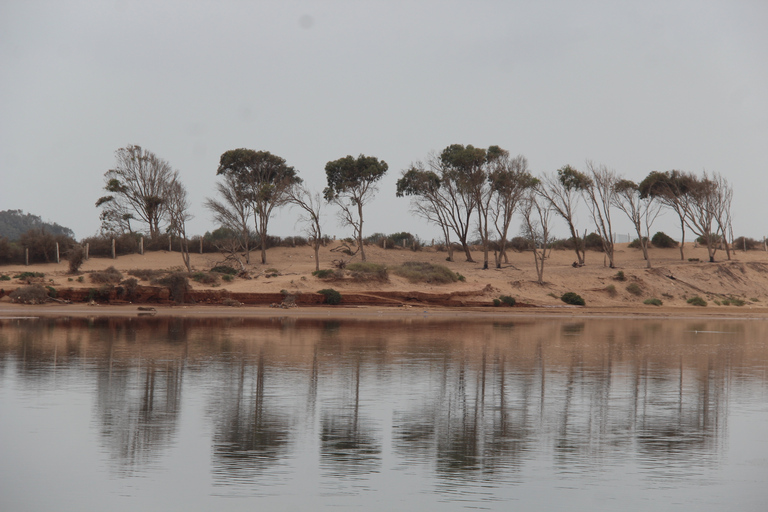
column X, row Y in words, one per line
column 653, row 302
column 754, row 299
column 52, row 293
column 424, row 272
column 128, row 288
column 5, row 277
column 80, row 279
column 145, row 274
column 635, row 289
column 32, row 294
column 325, row 274
column 732, row 301
column 572, row 298
column 177, row 283
column 271, row 272
column 228, row 278
column 611, row 290
column 693, row 259
column 224, row 269
column 366, row 271
column 697, row 301
column 620, row 276
column 231, row 303
column 663, row 241
column 745, row 243
column 635, row 244
column 520, row 244
column 28, row 275
column 506, row 299
column 594, row 241
column 331, row 296
column 76, row 258
column 109, row 276
column 496, row 303
column 210, row 279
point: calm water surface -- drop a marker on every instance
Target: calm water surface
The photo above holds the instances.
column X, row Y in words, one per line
column 297, row 414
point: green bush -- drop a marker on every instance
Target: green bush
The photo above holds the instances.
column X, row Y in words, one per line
column 653, row 302
column 635, row 244
column 506, row 299
column 28, row 275
column 52, row 293
column 5, row 277
column 424, row 272
column 366, row 271
column 594, row 241
column 211, row 279
column 76, row 258
column 572, row 298
column 697, row 301
column 177, row 283
column 733, row 301
column 228, row 278
column 145, row 274
column 496, row 303
column 324, row 274
column 634, row 289
column 611, row 290
column 109, row 276
column 663, row 241
column 224, row 269
column 331, row 296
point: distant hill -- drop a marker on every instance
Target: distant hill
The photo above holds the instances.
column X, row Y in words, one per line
column 13, row 223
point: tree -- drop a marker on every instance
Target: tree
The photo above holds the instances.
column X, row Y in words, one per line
column 233, row 211
column 177, row 210
column 264, row 179
column 672, row 189
column 641, row 211
column 509, row 179
column 536, row 217
column 352, row 184
column 562, row 193
column 312, row 204
column 600, row 191
column 708, row 211
column 137, row 186
column 722, row 209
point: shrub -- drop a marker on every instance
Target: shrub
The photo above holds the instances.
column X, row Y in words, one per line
column 424, row 272
column 714, row 237
column 520, row 244
column 231, row 303
column 331, row 296
column 733, row 301
column 177, row 283
column 663, row 241
column 366, row 271
column 76, row 258
column 693, row 260
column 32, row 294
column 128, row 288
column 594, row 241
column 572, row 298
column 228, row 278
column 5, row 277
column 211, row 279
column 635, row 289
column 28, row 275
column 697, row 301
column 109, row 276
column 750, row 244
column 496, row 303
column 224, row 269
column 620, row 276
column 635, row 244
column 324, row 274
column 611, row 290
column 52, row 293
column 271, row 272
column 653, row 302
column 506, row 299
column 145, row 274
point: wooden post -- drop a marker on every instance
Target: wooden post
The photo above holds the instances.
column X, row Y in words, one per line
column 113, row 248
column 57, row 253
column 26, row 256
column 201, row 245
column 87, row 250
column 141, row 245
column 170, row 240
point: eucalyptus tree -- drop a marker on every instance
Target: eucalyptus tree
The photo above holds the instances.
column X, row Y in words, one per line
column 600, row 191
column 137, row 189
column 673, row 190
column 641, row 211
column 352, row 184
column 537, row 214
column 233, row 211
column 311, row 203
column 708, row 211
column 177, row 211
column 264, row 180
column 563, row 194
column 509, row 179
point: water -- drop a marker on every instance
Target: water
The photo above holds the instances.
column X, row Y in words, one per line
column 298, row 414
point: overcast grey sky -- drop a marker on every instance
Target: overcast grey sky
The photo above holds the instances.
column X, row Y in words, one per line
column 637, row 86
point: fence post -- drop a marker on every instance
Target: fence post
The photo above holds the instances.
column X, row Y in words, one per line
column 87, row 250
column 201, row 245
column 170, row 240
column 57, row 253
column 113, row 248
column 26, row 256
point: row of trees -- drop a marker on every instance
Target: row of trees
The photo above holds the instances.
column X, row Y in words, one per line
column 463, row 190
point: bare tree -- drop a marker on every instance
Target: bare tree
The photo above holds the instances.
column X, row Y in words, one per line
column 137, row 187
column 177, row 211
column 509, row 179
column 708, row 212
column 641, row 211
column 233, row 211
column 536, row 225
column 562, row 192
column 600, row 193
column 722, row 209
column 672, row 189
column 312, row 204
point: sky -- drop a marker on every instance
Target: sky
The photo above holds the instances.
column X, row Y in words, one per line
column 635, row 86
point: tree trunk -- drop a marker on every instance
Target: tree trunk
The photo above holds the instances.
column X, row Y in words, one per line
column 360, row 230
column 317, row 255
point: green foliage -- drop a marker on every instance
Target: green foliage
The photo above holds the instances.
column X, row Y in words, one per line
column 573, row 299
column 32, row 294
column 109, row 276
column 10, row 252
column 746, row 243
column 366, row 271
column 663, row 241
column 620, row 276
column 611, row 290
column 733, row 301
column 28, row 275
column 506, row 299
column 697, row 301
column 42, row 245
column 52, row 292
column 331, row 296
column 424, row 272
column 5, row 277
column 635, row 244
column 694, row 260
column 177, row 283
column 324, row 274
column 496, row 303
column 211, row 279
column 271, row 272
column 653, row 302
column 594, row 241
column 351, row 175
column 145, row 274
column 228, row 278
column 14, row 223
column 634, row 289
column 224, row 269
